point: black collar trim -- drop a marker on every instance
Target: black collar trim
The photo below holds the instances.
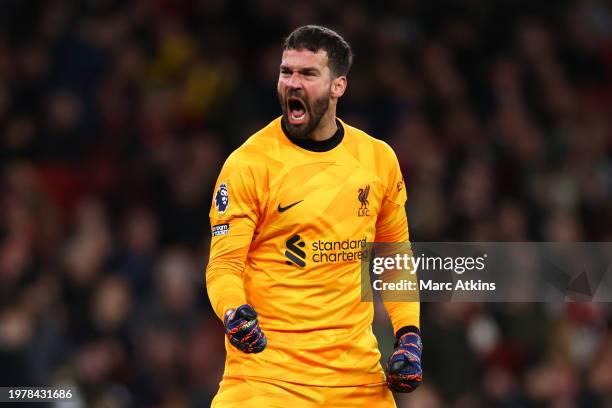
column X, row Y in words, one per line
column 317, row 145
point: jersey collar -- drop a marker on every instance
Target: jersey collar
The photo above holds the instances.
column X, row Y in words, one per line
column 317, row 145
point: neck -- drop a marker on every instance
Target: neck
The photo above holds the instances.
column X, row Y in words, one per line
column 327, row 126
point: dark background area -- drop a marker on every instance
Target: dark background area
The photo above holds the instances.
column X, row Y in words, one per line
column 115, row 117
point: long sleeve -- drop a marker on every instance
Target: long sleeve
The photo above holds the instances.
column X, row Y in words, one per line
column 392, row 226
column 233, row 217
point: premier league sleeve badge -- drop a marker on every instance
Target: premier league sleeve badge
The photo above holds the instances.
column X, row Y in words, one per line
column 222, row 198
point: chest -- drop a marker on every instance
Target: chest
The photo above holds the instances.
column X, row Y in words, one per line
column 324, row 196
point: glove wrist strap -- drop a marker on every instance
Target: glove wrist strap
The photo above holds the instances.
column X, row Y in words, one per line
column 228, row 314
column 405, row 330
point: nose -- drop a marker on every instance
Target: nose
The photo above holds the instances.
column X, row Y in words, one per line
column 294, row 81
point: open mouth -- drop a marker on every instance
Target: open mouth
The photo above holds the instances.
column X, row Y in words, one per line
column 296, row 111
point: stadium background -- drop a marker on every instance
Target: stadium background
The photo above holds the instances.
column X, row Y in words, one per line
column 115, row 118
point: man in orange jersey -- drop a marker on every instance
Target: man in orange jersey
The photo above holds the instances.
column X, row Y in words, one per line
column 292, row 211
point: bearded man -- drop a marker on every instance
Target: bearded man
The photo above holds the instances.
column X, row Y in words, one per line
column 292, row 211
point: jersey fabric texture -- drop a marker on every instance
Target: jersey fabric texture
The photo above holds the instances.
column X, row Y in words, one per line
column 289, row 221
column 259, row 392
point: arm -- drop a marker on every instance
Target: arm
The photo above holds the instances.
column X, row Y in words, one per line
column 404, row 372
column 233, row 217
column 392, row 226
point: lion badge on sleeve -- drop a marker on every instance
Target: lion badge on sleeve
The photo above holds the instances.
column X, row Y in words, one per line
column 222, row 198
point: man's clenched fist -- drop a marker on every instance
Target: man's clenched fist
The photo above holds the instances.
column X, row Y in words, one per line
column 404, row 371
column 243, row 331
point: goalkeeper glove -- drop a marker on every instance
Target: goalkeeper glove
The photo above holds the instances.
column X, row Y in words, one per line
column 404, row 371
column 243, row 331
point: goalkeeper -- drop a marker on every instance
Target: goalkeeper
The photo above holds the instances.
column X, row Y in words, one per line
column 287, row 205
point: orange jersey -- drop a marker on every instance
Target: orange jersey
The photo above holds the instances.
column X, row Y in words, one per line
column 289, row 221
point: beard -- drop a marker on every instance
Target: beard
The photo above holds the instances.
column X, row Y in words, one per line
column 314, row 110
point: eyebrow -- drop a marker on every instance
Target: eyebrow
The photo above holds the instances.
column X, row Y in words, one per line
column 305, row 70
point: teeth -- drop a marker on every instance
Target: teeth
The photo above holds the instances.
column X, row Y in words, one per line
column 298, row 117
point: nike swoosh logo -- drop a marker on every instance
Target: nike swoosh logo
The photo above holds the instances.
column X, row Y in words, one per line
column 283, row 209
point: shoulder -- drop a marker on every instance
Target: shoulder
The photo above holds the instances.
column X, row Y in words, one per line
column 364, row 142
column 255, row 151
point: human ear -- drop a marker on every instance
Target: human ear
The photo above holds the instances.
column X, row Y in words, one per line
column 338, row 86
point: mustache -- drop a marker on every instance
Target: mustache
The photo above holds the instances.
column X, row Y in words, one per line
column 298, row 93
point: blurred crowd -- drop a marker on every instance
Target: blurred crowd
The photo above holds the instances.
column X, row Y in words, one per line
column 115, row 117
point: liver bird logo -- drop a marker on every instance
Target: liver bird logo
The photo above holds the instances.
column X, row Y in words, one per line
column 363, row 199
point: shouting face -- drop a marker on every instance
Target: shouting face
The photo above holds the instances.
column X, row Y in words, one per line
column 305, row 89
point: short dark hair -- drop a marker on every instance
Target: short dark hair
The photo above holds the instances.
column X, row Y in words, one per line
column 315, row 38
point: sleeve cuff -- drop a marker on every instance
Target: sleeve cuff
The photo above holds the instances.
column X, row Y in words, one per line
column 404, row 330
